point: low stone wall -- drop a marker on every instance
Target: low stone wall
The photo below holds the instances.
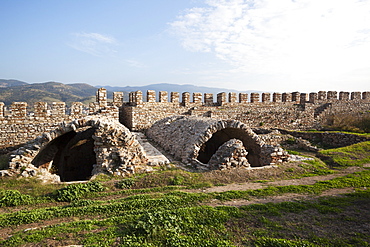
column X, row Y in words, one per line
column 20, row 128
column 331, row 139
column 13, row 134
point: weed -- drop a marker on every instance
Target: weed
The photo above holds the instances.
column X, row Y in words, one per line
column 125, row 183
column 76, row 191
column 293, row 152
column 10, row 198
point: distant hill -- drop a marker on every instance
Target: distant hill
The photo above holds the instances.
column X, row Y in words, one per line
column 11, row 83
column 15, row 91
column 173, row 88
column 47, row 92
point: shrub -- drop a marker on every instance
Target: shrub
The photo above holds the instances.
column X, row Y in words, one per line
column 349, row 122
column 125, row 183
column 10, row 198
column 76, row 191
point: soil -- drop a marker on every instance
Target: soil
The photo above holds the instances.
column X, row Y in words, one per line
column 280, row 198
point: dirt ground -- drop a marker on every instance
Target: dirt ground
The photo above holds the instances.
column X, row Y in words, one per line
column 280, row 198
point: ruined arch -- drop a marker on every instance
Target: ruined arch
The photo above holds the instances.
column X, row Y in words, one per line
column 210, row 147
column 194, row 140
column 71, row 155
column 80, row 149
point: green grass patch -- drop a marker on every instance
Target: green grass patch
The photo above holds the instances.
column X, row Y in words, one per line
column 353, row 155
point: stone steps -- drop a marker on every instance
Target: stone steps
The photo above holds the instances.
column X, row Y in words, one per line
column 154, row 156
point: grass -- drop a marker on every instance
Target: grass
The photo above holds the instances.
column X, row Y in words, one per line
column 354, row 155
column 153, row 209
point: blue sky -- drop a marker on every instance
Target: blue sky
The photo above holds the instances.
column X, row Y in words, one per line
column 268, row 45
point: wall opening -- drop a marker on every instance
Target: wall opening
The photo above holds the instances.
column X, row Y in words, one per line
column 210, row 147
column 71, row 156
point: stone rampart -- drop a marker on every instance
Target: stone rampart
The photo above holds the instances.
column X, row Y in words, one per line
column 18, row 125
column 297, row 111
column 288, row 110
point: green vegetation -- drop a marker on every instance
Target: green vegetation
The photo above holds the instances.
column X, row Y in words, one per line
column 158, row 209
column 76, row 191
column 353, row 155
column 47, row 92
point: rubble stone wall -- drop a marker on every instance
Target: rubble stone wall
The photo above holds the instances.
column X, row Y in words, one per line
column 295, row 111
column 194, row 140
column 331, row 139
column 116, row 148
column 18, row 125
column 288, row 110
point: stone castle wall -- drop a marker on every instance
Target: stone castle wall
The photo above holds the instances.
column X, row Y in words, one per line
column 18, row 125
column 287, row 110
column 297, row 111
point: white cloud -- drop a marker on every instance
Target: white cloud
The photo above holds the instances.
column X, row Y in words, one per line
column 135, row 63
column 93, row 43
column 305, row 40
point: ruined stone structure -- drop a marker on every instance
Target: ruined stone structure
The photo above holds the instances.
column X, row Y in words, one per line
column 20, row 126
column 204, row 131
column 80, row 149
column 196, row 141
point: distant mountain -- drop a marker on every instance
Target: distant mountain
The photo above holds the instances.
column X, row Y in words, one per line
column 11, row 83
column 47, row 92
column 173, row 88
column 15, row 91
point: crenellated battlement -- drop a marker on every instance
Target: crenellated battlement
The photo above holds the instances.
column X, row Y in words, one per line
column 136, row 98
column 289, row 110
column 18, row 110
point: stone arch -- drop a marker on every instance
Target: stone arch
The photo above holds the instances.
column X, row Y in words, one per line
column 70, row 155
column 85, row 147
column 195, row 139
column 209, row 147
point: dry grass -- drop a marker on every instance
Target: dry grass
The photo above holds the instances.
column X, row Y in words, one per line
column 350, row 122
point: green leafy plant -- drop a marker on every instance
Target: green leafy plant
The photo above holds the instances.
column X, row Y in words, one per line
column 10, row 198
column 76, row 191
column 125, row 183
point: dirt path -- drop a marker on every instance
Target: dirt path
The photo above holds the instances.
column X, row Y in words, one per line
column 280, row 198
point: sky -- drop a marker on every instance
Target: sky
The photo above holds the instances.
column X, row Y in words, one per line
column 265, row 45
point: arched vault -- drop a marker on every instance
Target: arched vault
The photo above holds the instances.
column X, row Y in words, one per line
column 85, row 147
column 195, row 140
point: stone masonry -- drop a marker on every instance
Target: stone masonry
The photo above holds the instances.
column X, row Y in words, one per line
column 200, row 130
column 115, row 148
column 194, row 140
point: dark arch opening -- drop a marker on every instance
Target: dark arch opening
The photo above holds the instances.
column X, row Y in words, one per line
column 210, row 147
column 72, row 156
